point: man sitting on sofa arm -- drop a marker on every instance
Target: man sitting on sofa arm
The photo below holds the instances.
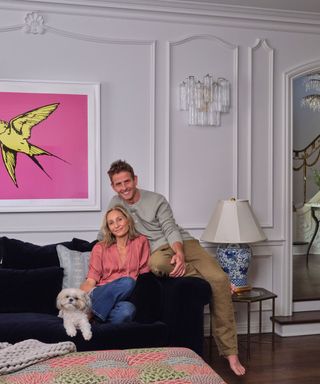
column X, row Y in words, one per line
column 176, row 253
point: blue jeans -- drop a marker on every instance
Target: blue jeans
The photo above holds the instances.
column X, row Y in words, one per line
column 108, row 301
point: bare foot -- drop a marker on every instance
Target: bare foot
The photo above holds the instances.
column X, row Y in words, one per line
column 235, row 365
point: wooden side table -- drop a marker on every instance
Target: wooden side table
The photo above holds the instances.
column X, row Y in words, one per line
column 252, row 296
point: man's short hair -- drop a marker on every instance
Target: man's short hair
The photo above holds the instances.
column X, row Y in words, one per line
column 120, row 166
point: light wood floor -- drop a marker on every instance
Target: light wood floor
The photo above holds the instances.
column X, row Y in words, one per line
column 306, row 280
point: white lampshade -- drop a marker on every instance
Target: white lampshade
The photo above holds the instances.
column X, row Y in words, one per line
column 233, row 221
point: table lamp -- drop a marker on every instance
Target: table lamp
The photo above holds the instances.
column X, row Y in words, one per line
column 233, row 226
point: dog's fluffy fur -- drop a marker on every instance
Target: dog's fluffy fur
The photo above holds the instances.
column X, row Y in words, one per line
column 74, row 307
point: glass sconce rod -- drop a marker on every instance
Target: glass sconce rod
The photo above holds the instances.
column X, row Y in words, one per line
column 204, row 100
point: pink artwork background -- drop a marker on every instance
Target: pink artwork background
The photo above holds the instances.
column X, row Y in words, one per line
column 64, row 133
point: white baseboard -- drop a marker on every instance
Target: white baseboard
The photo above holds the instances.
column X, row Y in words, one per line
column 301, row 306
column 299, row 250
column 297, row 329
column 280, row 329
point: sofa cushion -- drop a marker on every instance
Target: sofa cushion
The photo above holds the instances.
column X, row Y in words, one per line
column 19, row 254
column 82, row 245
column 15, row 327
column 30, row 290
column 74, row 264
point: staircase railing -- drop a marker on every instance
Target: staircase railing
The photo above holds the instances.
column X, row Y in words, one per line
column 304, row 155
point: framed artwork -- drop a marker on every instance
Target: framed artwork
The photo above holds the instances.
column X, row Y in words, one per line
column 50, row 146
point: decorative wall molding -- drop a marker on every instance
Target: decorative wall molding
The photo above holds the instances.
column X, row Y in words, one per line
column 226, row 45
column 261, row 270
column 160, row 9
column 35, row 24
column 54, row 229
column 262, row 44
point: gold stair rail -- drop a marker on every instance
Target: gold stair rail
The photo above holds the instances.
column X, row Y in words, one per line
column 303, row 156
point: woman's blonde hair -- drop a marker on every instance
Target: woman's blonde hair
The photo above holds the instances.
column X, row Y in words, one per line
column 108, row 237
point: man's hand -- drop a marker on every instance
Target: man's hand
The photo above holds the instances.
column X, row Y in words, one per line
column 178, row 261
column 179, row 265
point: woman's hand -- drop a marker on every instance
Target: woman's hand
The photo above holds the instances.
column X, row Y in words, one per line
column 233, row 288
column 88, row 285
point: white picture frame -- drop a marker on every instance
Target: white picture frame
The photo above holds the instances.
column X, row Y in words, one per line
column 63, row 120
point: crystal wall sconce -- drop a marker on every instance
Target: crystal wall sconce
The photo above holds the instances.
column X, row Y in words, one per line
column 205, row 100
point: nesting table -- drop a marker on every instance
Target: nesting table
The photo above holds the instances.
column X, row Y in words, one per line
column 252, row 296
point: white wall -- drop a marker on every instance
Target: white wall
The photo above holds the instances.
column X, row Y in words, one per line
column 139, row 55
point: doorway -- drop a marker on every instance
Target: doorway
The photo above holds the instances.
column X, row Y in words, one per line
column 305, row 123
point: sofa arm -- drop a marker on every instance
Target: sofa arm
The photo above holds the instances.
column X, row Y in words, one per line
column 183, row 310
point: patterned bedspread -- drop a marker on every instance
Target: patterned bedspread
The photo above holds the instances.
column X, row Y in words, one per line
column 131, row 366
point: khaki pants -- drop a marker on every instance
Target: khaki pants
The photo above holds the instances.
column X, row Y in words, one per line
column 200, row 264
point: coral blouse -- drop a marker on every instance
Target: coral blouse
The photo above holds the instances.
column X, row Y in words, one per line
column 105, row 264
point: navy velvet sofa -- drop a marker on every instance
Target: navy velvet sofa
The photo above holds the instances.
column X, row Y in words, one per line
column 169, row 310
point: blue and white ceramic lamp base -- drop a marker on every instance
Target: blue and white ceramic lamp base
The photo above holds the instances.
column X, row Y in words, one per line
column 234, row 260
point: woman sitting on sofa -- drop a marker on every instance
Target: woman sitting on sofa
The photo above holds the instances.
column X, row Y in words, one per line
column 115, row 263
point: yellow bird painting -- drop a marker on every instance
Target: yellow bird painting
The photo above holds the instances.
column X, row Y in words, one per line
column 15, row 135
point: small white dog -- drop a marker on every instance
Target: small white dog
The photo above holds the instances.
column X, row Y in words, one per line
column 74, row 307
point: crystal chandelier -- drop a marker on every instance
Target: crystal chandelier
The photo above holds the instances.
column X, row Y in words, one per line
column 312, row 83
column 204, row 100
column 312, row 102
